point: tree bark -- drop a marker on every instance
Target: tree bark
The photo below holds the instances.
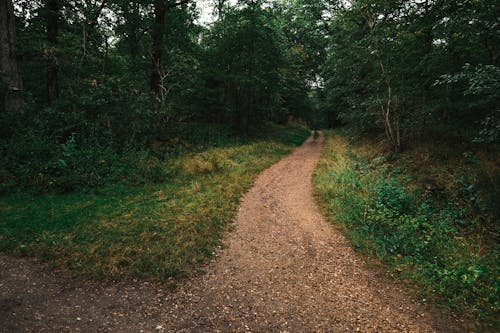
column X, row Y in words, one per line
column 52, row 8
column 10, row 70
column 131, row 22
column 391, row 122
column 220, row 9
column 160, row 8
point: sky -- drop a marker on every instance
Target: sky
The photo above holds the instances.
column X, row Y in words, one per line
column 206, row 8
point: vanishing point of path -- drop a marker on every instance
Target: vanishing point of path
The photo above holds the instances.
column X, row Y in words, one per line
column 284, row 269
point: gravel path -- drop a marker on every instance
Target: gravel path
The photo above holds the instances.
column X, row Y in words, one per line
column 284, row 269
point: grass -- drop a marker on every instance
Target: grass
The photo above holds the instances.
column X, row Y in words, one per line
column 157, row 230
column 443, row 240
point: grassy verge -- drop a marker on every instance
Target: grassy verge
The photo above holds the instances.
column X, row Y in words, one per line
column 439, row 232
column 160, row 229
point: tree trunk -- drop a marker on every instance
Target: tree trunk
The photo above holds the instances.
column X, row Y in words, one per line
column 428, row 22
column 220, row 9
column 391, row 122
column 10, row 71
column 52, row 7
column 160, row 8
column 133, row 38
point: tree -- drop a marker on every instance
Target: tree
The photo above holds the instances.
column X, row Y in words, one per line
column 52, row 20
column 384, row 56
column 133, row 29
column 306, row 27
column 220, row 7
column 246, row 60
column 160, row 9
column 10, row 70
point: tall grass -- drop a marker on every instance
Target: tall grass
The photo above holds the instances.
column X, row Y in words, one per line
column 425, row 237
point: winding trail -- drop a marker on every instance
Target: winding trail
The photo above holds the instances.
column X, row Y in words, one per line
column 284, row 269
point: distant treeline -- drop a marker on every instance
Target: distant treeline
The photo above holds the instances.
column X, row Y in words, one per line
column 116, row 72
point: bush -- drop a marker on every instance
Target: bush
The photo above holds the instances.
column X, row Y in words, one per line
column 40, row 164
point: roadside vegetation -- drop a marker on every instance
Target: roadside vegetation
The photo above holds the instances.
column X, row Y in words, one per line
column 430, row 214
column 153, row 217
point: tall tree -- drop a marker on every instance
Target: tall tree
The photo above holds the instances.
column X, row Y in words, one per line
column 160, row 9
column 52, row 11
column 219, row 9
column 10, row 70
column 132, row 29
column 245, row 64
column 91, row 11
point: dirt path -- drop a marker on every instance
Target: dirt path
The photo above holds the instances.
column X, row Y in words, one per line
column 284, row 270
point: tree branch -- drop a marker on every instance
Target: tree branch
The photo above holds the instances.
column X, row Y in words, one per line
column 176, row 3
column 98, row 13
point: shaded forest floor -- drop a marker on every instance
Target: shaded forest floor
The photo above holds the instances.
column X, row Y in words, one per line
column 283, row 268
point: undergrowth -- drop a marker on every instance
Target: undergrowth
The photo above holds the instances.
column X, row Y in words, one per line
column 158, row 218
column 427, row 231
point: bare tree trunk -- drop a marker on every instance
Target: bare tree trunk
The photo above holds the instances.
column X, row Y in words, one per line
column 52, row 7
column 220, row 9
column 88, row 27
column 391, row 122
column 106, row 55
column 160, row 8
column 10, row 70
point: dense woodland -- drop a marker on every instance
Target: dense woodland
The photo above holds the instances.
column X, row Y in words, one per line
column 115, row 72
column 97, row 91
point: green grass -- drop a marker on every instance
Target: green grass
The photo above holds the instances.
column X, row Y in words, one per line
column 161, row 229
column 439, row 241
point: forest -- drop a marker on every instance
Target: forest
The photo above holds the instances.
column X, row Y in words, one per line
column 129, row 131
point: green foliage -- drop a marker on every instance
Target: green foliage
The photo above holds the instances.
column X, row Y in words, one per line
column 481, row 84
column 245, row 55
column 111, row 113
column 162, row 220
column 37, row 163
column 421, row 237
column 388, row 55
column 41, row 166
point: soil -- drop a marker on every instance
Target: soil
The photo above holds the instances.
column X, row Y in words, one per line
column 283, row 269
